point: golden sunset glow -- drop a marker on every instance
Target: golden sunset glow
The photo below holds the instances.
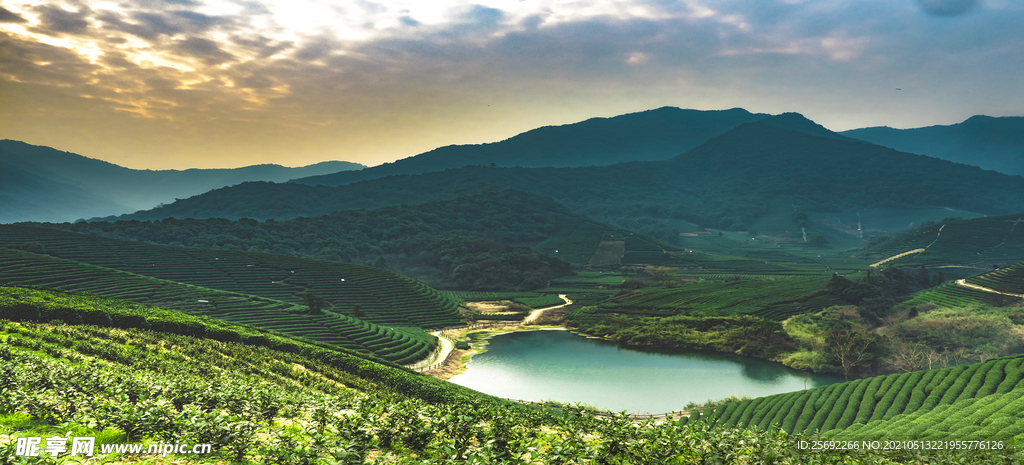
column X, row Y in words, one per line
column 193, row 83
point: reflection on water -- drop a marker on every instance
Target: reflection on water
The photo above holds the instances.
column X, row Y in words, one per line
column 763, row 373
column 558, row 365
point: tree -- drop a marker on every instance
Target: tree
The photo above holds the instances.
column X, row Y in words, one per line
column 357, row 311
column 315, row 303
column 909, row 356
column 850, row 348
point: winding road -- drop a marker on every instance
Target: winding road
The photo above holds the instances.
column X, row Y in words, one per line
column 446, row 347
column 536, row 313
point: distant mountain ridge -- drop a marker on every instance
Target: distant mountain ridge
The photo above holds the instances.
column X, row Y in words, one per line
column 658, row 134
column 988, row 142
column 726, row 183
column 45, row 184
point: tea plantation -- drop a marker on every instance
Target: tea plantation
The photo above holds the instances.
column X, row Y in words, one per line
column 140, row 374
column 967, row 402
column 1008, row 284
column 399, row 344
column 382, row 297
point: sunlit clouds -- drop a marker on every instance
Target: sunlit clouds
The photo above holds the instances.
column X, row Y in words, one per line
column 198, row 83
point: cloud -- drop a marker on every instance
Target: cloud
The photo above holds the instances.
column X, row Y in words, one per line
column 7, row 16
column 55, row 20
column 342, row 65
column 204, row 50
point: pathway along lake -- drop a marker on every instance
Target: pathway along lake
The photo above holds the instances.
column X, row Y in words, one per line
column 561, row 366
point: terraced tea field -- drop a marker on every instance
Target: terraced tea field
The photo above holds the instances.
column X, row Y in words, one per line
column 590, row 243
column 998, row 288
column 398, row 344
column 973, row 245
column 966, row 402
column 775, row 298
column 382, row 297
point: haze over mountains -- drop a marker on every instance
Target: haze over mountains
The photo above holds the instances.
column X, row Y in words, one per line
column 990, row 143
column 728, row 182
column 657, row 134
column 44, row 184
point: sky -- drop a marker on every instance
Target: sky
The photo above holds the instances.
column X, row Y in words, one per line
column 175, row 84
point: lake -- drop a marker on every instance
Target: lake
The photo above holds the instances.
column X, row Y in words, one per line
column 561, row 366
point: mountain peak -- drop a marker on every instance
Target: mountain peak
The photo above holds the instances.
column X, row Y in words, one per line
column 800, row 123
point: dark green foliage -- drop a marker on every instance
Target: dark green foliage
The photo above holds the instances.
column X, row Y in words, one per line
column 995, row 375
column 403, row 344
column 838, row 406
column 764, row 163
column 952, row 380
column 978, row 241
column 850, row 409
column 775, row 299
column 977, row 379
column 785, row 410
column 870, row 398
column 746, row 335
column 388, row 298
column 985, row 141
column 749, row 412
column 1014, row 373
column 807, row 411
column 475, row 242
column 793, row 410
column 825, row 405
column 916, row 395
column 764, row 417
column 854, row 404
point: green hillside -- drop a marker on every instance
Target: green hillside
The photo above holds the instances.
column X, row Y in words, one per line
column 774, row 298
column 966, row 402
column 382, row 297
column 401, row 344
column 657, row 134
column 1000, row 288
column 958, row 247
column 988, row 142
column 487, row 237
column 264, row 398
column 726, row 183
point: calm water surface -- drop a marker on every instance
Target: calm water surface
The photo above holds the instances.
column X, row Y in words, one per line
column 561, row 366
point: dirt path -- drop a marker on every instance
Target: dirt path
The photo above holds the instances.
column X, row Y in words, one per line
column 445, row 347
column 964, row 283
column 1010, row 232
column 875, row 265
column 937, row 234
column 536, row 313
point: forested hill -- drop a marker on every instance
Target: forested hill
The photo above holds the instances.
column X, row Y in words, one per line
column 990, row 143
column 478, row 242
column 45, row 184
column 727, row 182
column 650, row 135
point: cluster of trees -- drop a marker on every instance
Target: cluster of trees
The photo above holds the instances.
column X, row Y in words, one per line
column 739, row 334
column 877, row 293
column 875, row 335
column 480, row 242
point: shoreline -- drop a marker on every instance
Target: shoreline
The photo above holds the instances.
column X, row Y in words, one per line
column 457, row 362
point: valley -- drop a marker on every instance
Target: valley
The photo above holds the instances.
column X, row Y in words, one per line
column 760, row 274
